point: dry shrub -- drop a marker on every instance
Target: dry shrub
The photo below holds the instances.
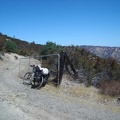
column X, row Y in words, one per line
column 111, row 88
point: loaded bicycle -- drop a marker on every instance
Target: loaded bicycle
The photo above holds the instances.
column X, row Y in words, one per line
column 37, row 78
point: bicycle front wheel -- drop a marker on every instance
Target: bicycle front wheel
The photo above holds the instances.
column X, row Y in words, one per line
column 27, row 78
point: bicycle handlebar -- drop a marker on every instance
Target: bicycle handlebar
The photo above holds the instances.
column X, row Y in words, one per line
column 32, row 65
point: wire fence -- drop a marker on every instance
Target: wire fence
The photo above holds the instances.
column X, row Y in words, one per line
column 52, row 62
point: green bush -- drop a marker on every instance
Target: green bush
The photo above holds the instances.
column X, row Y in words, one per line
column 10, row 46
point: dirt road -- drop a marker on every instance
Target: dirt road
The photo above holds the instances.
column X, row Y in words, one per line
column 70, row 101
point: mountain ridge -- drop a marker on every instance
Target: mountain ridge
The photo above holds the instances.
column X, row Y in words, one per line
column 104, row 51
column 24, row 47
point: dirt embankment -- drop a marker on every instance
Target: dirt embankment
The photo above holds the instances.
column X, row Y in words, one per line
column 70, row 101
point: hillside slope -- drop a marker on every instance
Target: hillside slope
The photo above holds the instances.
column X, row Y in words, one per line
column 24, row 47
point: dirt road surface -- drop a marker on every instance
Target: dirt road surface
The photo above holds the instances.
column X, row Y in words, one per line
column 70, row 101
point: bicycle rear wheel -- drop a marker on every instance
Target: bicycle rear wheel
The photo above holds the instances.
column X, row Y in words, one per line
column 40, row 83
column 37, row 83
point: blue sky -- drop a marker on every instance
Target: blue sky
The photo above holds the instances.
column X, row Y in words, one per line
column 65, row 22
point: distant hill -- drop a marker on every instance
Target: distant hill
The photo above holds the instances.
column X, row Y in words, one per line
column 104, row 52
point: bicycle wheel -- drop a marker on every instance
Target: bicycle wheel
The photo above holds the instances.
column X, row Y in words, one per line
column 27, row 78
column 40, row 83
column 37, row 84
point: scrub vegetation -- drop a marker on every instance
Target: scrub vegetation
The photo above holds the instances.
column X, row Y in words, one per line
column 103, row 73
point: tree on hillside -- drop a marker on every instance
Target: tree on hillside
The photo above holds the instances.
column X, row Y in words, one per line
column 49, row 48
column 10, row 46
